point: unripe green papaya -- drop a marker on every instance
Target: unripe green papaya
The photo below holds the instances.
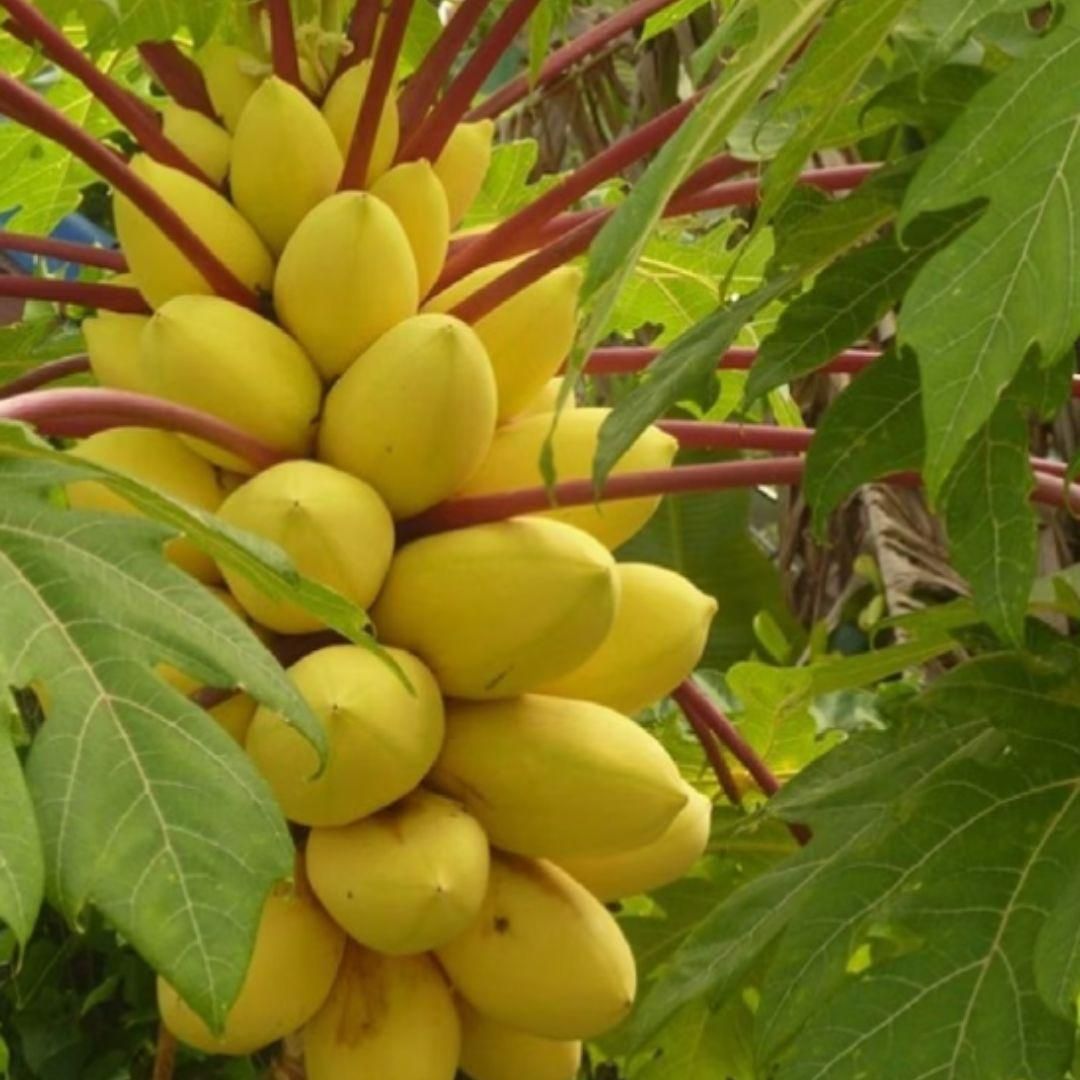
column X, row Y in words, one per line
column 463, row 164
column 413, row 192
column 346, row 276
column 493, row 1051
column 514, row 462
column 161, row 460
column 383, row 736
column 656, row 641
column 160, row 270
column 387, row 1018
column 284, row 161
column 547, row 399
column 222, row 358
column 334, row 527
column 653, row 865
column 550, row 777
column 232, row 75
column 342, row 109
column 205, row 143
column 298, row 950
column 527, row 336
column 543, row 956
column 404, row 880
column 113, row 344
column 495, row 610
column 415, row 414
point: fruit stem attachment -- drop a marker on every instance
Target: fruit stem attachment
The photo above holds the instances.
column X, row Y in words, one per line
column 510, row 93
column 710, row 743
column 43, row 374
column 129, row 111
column 77, row 412
column 64, row 250
column 120, row 298
column 178, row 75
column 283, row 56
column 424, row 84
column 429, row 139
column 379, row 85
column 24, row 106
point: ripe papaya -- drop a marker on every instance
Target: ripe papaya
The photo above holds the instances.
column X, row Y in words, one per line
column 550, row 777
column 222, row 358
column 544, row 956
column 383, row 735
column 527, row 336
column 656, row 641
column 413, row 192
column 297, row 946
column 404, row 880
column 235, row 714
column 653, row 865
column 205, row 143
column 284, row 161
column 232, row 75
column 547, row 399
column 334, row 527
column 160, row 270
column 161, row 460
column 415, row 414
column 496, row 610
column 493, row 1051
column 346, row 276
column 342, row 109
column 514, row 462
column 463, row 164
column 113, row 345
column 387, row 1018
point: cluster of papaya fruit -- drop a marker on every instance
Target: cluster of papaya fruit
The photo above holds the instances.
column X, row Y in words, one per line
column 480, row 804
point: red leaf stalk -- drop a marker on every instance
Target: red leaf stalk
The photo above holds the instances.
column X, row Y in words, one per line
column 283, row 56
column 714, row 171
column 710, row 744
column 363, row 26
column 379, row 85
column 521, row 228
column 23, row 104
column 178, row 75
column 43, row 374
column 429, row 139
column 119, row 298
column 562, row 59
column 625, row 359
column 138, row 118
column 424, row 84
column 77, row 412
column 81, row 254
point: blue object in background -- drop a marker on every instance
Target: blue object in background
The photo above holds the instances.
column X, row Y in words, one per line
column 75, row 228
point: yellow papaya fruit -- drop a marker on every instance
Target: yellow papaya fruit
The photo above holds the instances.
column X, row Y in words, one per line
column 651, row 866
column 235, row 714
column 656, row 641
column 342, row 109
column 404, row 880
column 496, row 610
column 547, row 399
column 161, row 460
column 413, row 192
column 232, row 75
column 297, row 947
column 334, row 527
column 463, row 164
column 205, row 143
column 514, row 462
column 113, row 344
column 550, row 777
column 383, row 737
column 544, row 956
column 222, row 358
column 346, row 276
column 493, row 1051
column 387, row 1018
column 527, row 336
column 160, row 271
column 414, row 415
column 284, row 161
